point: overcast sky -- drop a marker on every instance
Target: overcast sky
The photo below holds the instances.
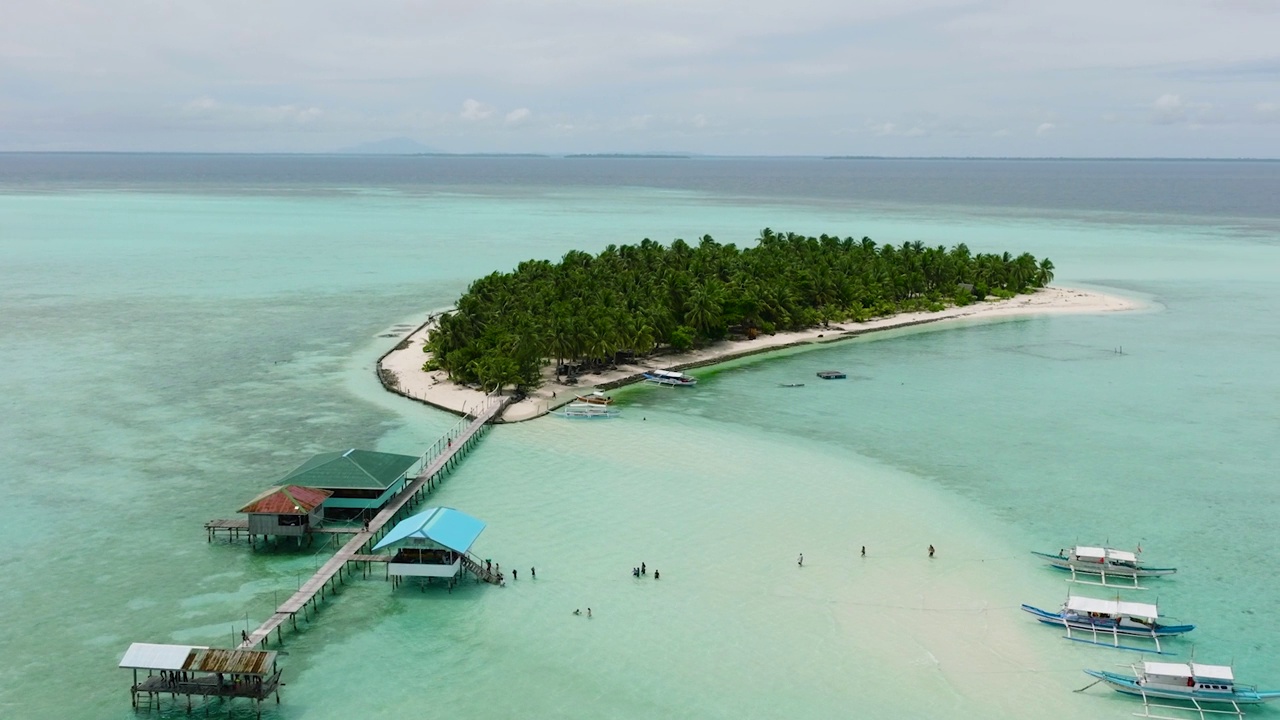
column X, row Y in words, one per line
column 1177, row 78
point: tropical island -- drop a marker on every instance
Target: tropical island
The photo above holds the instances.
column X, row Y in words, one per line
column 601, row 320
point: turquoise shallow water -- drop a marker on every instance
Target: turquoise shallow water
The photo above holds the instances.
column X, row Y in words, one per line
column 167, row 354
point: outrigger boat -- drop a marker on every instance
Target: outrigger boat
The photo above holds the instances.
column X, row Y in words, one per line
column 1107, row 563
column 1104, row 621
column 589, row 410
column 1193, row 683
column 596, row 398
column 671, row 378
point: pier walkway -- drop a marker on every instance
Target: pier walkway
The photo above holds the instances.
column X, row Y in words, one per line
column 442, row 454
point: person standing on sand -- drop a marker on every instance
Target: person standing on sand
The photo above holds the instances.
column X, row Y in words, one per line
column 533, row 573
column 655, row 573
column 800, row 562
column 588, row 612
column 514, row 575
column 930, row 551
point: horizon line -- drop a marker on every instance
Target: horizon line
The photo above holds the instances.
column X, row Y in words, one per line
column 646, row 155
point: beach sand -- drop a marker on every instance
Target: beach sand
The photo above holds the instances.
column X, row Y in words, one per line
column 434, row 388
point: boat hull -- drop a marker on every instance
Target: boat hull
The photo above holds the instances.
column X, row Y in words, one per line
column 1130, row 685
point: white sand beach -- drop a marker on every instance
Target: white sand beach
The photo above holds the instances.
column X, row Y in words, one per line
column 434, row 388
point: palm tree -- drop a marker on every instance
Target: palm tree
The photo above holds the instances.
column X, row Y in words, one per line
column 1044, row 275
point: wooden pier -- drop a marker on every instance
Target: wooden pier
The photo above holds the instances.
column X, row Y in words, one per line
column 444, row 454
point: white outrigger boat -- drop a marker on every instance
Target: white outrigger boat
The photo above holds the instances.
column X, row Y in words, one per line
column 589, row 410
column 1109, row 564
column 1103, row 622
column 1197, row 685
column 671, row 378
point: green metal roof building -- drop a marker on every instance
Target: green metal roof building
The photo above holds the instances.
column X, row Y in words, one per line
column 360, row 480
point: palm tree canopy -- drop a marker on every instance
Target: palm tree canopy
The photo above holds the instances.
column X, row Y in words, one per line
column 639, row 298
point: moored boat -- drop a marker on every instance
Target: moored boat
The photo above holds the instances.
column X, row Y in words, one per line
column 832, row 375
column 670, row 377
column 589, row 410
column 595, row 398
column 1104, row 562
column 1103, row 622
column 1194, row 683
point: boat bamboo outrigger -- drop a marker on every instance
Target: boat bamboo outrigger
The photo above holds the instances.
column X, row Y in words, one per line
column 1203, row 689
column 1114, row 567
column 589, row 410
column 1102, row 622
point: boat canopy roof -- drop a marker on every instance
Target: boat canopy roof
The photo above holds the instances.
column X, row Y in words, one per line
column 1109, row 553
column 1189, row 670
column 1145, row 611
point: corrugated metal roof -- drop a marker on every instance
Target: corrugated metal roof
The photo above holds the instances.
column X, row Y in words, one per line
column 152, row 656
column 353, row 469
column 287, row 500
column 451, row 528
column 240, row 662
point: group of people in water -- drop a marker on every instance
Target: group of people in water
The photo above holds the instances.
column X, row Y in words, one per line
column 643, row 571
column 800, row 560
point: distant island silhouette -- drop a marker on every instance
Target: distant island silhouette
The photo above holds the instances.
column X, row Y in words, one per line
column 661, row 156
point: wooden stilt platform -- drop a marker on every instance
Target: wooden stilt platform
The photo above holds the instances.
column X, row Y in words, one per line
column 231, row 526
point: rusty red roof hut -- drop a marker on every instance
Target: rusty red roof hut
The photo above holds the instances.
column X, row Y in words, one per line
column 285, row 510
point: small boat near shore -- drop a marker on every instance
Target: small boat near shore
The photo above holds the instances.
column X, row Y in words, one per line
column 1103, row 622
column 1107, row 563
column 832, row 375
column 670, row 378
column 589, row 410
column 595, row 398
column 1193, row 683
column 790, row 384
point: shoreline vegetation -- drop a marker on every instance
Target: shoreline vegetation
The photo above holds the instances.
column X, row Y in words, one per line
column 598, row 322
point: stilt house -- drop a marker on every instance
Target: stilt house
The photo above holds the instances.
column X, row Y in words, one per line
column 360, row 481
column 285, row 510
column 434, row 543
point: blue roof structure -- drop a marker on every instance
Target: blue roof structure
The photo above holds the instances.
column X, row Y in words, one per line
column 451, row 528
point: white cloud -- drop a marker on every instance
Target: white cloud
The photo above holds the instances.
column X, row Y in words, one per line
column 207, row 110
column 1267, row 112
column 888, row 129
column 475, row 110
column 1045, row 128
column 517, row 116
column 1169, row 109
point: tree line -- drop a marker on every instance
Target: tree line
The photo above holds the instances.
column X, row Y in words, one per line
column 648, row 297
